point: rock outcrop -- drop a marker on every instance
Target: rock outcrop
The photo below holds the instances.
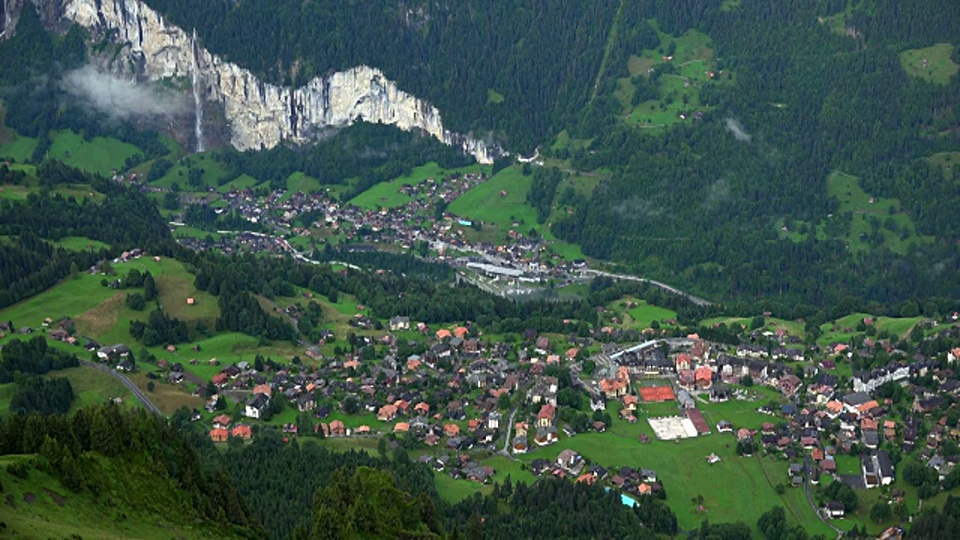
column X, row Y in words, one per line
column 260, row 114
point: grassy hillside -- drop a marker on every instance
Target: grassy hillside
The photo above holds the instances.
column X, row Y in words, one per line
column 98, row 155
column 932, row 64
column 40, row 507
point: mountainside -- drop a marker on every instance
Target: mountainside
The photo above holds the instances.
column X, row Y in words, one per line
column 797, row 152
column 103, row 472
column 260, row 114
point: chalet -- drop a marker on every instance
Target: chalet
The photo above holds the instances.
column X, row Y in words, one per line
column 546, row 415
column 834, row 509
column 648, row 475
column 399, row 323
column 387, row 413
column 219, row 435
column 789, row 384
column 520, row 444
column 720, row 393
column 682, row 362
column 928, row 405
column 704, row 377
column 337, row 429
column 222, row 421
column 540, row 466
column 545, row 435
column 113, row 352
column 877, row 469
column 241, row 431
column 493, row 420
column 256, row 406
column 570, row 460
column 306, row 402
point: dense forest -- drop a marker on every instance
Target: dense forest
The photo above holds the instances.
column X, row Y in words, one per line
column 32, row 357
column 44, row 396
column 701, row 205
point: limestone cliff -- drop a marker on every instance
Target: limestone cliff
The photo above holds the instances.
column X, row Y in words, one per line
column 260, row 114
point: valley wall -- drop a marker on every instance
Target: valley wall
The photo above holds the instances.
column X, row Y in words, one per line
column 260, row 115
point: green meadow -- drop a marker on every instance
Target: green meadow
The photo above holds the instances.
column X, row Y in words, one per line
column 212, row 172
column 387, row 194
column 81, row 243
column 98, row 155
column 933, row 64
column 679, row 89
column 895, row 228
column 18, row 148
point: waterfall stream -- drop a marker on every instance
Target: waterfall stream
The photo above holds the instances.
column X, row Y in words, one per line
column 197, row 103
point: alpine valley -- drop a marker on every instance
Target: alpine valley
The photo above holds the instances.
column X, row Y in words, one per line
column 484, row 269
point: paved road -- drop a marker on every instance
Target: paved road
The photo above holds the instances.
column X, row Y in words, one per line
column 806, row 462
column 126, row 382
column 506, row 442
column 695, row 299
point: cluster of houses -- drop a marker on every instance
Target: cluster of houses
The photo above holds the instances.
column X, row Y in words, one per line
column 405, row 225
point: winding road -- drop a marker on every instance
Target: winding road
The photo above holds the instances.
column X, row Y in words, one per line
column 626, row 277
column 126, row 382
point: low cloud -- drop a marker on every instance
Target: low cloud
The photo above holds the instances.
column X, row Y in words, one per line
column 734, row 126
column 120, row 98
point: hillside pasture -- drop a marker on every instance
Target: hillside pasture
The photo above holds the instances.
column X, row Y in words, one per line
column 947, row 162
column 501, row 201
column 98, row 155
column 934, row 64
column 17, row 148
column 894, row 230
column 81, row 243
column 212, row 172
column 682, row 74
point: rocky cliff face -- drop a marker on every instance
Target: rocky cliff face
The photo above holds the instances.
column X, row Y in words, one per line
column 260, row 114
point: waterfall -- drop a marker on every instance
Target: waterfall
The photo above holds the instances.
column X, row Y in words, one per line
column 197, row 103
column 6, row 18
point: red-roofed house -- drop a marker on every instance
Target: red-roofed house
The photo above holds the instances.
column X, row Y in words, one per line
column 704, row 377
column 337, row 429
column 242, row 431
column 546, row 415
column 219, row 435
column 387, row 413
